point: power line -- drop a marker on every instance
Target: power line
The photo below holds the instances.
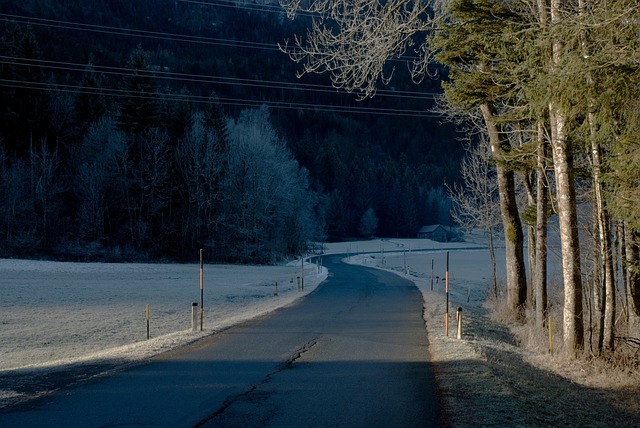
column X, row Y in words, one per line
column 199, row 78
column 196, row 39
column 120, row 31
column 114, row 92
column 243, row 6
column 175, row 37
column 184, row 77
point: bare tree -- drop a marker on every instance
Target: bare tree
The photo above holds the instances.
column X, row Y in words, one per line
column 14, row 186
column 46, row 186
column 476, row 202
column 96, row 166
column 201, row 166
column 353, row 39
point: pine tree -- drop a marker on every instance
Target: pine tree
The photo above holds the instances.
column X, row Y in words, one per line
column 139, row 108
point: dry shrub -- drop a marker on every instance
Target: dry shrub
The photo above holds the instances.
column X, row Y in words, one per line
column 618, row 370
column 498, row 309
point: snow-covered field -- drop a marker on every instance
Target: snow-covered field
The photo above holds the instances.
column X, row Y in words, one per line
column 56, row 313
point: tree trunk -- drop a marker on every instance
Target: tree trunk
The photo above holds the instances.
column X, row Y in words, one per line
column 620, row 266
column 540, row 276
column 604, row 229
column 516, row 276
column 597, row 292
column 633, row 279
column 573, row 327
column 494, row 275
column 567, row 215
column 529, row 184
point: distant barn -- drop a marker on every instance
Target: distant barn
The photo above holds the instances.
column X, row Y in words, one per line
column 435, row 232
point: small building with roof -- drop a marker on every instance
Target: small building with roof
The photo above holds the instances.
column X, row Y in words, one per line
column 435, row 232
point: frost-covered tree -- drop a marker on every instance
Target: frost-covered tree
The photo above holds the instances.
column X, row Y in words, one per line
column 200, row 166
column 476, row 201
column 268, row 202
column 368, row 224
column 96, row 164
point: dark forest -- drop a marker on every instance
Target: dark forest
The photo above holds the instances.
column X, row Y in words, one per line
column 136, row 130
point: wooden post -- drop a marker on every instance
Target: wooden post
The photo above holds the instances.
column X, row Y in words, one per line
column 446, row 322
column 550, row 337
column 431, row 274
column 404, row 254
column 147, row 321
column 201, row 292
column 302, row 271
column 194, row 316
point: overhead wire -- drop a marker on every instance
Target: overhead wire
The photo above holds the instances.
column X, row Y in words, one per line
column 244, row 6
column 67, row 25
column 115, row 92
column 184, row 77
column 195, row 78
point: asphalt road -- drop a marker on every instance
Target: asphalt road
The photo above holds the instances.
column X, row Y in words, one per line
column 353, row 353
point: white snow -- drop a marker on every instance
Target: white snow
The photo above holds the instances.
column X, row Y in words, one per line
column 58, row 313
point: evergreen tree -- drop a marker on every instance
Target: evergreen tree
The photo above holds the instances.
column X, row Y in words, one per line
column 140, row 108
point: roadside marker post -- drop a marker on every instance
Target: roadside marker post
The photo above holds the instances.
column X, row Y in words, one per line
column 550, row 336
column 194, row 316
column 404, row 253
column 431, row 274
column 459, row 323
column 147, row 312
column 446, row 321
column 201, row 292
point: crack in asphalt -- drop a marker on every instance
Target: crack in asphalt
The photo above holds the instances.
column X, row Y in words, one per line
column 253, row 388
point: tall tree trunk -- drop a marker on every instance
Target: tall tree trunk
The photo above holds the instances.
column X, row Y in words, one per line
column 540, row 277
column 603, row 219
column 573, row 327
column 529, row 184
column 494, row 275
column 597, row 284
column 606, row 256
column 514, row 239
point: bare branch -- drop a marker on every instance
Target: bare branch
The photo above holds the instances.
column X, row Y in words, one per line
column 354, row 40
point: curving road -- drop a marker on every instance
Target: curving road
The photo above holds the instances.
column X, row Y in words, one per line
column 352, row 353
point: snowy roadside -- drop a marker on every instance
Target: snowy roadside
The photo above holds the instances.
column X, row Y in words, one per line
column 485, row 378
